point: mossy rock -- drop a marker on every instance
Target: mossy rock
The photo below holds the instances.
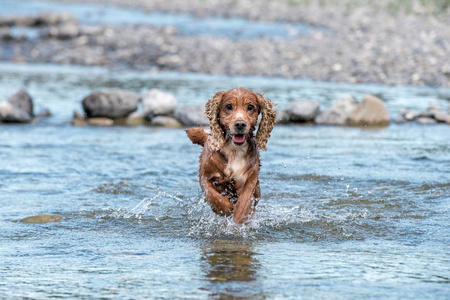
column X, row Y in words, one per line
column 41, row 219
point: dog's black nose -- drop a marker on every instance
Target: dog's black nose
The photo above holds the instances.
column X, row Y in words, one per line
column 240, row 125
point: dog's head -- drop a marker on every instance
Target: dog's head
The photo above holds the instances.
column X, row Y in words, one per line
column 233, row 115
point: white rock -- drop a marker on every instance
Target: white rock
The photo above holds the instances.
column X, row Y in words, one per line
column 156, row 103
column 191, row 115
column 302, row 110
column 10, row 113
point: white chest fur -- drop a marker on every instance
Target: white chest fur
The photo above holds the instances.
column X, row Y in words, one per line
column 237, row 163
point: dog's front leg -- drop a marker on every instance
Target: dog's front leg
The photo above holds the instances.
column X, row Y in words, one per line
column 246, row 198
column 219, row 203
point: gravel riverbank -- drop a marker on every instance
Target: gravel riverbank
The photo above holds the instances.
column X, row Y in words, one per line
column 357, row 45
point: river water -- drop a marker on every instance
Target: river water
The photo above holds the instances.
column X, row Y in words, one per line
column 345, row 213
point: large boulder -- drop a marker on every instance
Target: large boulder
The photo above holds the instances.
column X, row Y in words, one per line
column 12, row 114
column 191, row 115
column 302, row 110
column 158, row 103
column 22, row 100
column 110, row 104
column 370, row 112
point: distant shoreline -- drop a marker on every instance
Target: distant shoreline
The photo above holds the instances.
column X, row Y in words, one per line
column 359, row 46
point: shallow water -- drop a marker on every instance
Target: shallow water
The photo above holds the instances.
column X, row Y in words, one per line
column 345, row 213
column 100, row 14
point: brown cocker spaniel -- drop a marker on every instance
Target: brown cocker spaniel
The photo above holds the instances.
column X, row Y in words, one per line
column 229, row 163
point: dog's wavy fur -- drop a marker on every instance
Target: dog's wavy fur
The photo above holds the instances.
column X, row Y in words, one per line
column 229, row 167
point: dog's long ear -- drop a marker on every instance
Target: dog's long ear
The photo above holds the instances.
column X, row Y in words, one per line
column 268, row 116
column 212, row 113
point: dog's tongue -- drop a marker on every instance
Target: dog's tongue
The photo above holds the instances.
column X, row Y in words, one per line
column 239, row 138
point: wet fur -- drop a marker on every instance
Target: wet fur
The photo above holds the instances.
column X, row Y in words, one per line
column 229, row 171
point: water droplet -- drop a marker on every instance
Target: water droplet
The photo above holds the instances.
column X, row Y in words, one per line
column 284, row 166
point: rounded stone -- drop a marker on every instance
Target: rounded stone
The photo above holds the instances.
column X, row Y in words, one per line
column 110, row 104
column 156, row 102
column 370, row 112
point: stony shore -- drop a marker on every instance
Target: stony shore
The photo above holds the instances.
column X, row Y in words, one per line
column 358, row 45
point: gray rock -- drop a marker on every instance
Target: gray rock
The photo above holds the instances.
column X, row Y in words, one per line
column 331, row 117
column 302, row 110
column 44, row 113
column 282, row 117
column 425, row 114
column 370, row 112
column 344, row 105
column 442, row 117
column 5, row 34
column 164, row 121
column 22, row 100
column 400, row 119
column 110, row 104
column 156, row 102
column 11, row 114
column 191, row 115
column 425, row 121
column 434, row 108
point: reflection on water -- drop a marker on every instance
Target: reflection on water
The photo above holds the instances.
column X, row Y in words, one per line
column 231, row 269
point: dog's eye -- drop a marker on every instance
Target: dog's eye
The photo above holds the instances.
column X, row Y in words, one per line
column 250, row 107
column 229, row 107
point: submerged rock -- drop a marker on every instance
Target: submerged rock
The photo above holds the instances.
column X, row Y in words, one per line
column 41, row 219
column 156, row 102
column 110, row 104
column 100, row 121
column 370, row 112
column 426, row 121
column 164, row 121
column 44, row 113
column 11, row 114
column 191, row 115
column 136, row 118
column 22, row 100
column 302, row 110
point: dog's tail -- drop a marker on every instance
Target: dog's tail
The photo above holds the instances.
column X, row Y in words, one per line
column 197, row 136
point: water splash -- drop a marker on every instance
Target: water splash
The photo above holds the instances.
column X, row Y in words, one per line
column 166, row 214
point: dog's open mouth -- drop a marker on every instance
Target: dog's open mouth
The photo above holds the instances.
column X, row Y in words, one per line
column 238, row 139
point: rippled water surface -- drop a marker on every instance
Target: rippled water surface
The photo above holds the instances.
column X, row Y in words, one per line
column 345, row 213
